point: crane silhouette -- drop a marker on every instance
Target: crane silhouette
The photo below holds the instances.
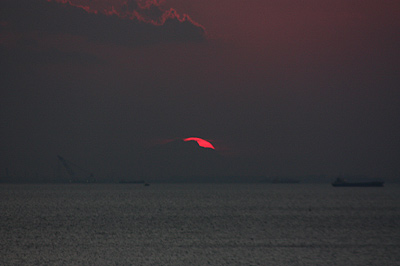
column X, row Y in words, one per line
column 71, row 168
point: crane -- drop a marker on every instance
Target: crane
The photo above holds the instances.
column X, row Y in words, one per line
column 69, row 166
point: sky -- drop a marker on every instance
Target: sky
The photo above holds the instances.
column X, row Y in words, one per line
column 281, row 88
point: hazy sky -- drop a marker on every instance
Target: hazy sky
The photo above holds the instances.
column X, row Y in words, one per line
column 294, row 87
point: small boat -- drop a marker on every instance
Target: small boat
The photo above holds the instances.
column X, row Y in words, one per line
column 340, row 182
column 123, row 181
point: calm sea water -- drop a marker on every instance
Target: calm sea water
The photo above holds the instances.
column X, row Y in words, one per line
column 281, row 224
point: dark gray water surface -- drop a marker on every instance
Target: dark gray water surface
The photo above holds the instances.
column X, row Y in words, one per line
column 258, row 224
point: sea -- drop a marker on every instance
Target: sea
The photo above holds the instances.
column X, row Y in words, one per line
column 199, row 224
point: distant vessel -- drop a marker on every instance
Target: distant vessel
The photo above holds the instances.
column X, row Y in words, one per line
column 340, row 182
column 123, row 181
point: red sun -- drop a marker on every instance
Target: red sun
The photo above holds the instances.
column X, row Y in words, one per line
column 202, row 143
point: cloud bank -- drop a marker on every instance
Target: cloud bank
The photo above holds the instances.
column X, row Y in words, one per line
column 122, row 22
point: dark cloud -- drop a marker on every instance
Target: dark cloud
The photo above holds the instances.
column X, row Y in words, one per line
column 151, row 25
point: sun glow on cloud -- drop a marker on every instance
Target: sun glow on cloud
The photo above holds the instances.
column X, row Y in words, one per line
column 202, row 143
column 149, row 11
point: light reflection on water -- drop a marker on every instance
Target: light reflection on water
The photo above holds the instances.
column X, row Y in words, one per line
column 258, row 224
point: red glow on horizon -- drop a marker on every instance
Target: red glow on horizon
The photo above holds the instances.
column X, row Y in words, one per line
column 202, row 143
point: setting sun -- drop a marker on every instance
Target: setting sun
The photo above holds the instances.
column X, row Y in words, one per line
column 202, row 143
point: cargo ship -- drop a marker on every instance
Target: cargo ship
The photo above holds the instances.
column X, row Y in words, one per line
column 340, row 182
